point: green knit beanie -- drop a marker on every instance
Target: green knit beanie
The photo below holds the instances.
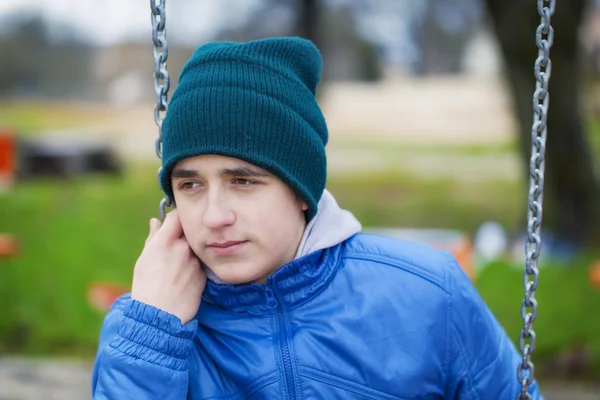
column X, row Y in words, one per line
column 254, row 101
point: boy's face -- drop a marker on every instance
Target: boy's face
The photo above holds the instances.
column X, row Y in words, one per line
column 240, row 220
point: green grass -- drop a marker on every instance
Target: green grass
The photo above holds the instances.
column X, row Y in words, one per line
column 92, row 229
column 29, row 118
column 567, row 313
column 77, row 232
column 395, row 198
column 71, row 233
column 387, row 148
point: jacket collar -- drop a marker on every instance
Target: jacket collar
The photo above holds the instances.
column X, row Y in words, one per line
column 291, row 285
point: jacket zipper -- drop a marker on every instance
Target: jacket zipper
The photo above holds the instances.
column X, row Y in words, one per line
column 273, row 303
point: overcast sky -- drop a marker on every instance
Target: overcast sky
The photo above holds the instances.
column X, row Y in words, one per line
column 105, row 22
column 108, row 21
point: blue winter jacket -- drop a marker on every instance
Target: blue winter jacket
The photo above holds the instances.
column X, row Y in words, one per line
column 369, row 318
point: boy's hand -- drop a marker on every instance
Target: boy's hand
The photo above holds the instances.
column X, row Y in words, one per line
column 167, row 274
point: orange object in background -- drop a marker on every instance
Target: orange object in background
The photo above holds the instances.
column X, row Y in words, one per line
column 595, row 275
column 453, row 241
column 8, row 156
column 9, row 246
column 462, row 249
column 101, row 295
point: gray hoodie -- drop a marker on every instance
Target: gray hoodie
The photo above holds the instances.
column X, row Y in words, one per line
column 331, row 226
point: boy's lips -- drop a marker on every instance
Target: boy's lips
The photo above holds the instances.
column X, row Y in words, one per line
column 227, row 248
column 226, row 244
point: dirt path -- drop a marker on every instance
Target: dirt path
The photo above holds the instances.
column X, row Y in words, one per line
column 25, row 379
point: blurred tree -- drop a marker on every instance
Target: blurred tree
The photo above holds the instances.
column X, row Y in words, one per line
column 347, row 54
column 443, row 32
column 571, row 194
column 309, row 19
column 23, row 45
column 39, row 65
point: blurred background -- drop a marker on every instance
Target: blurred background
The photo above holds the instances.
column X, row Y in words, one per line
column 429, row 106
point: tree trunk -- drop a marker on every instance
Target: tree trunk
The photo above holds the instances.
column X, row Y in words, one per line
column 308, row 20
column 570, row 188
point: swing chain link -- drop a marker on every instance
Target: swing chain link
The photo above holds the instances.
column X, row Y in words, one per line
column 162, row 81
column 543, row 67
column 533, row 245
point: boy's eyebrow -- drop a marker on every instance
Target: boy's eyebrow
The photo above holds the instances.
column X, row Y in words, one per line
column 242, row 172
column 184, row 173
column 245, row 172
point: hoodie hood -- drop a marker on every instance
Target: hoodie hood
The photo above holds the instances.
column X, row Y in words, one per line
column 329, row 227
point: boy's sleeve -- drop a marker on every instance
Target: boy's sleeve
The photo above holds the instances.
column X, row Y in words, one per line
column 142, row 354
column 482, row 359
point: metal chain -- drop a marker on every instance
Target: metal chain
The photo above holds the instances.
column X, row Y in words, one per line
column 162, row 81
column 543, row 67
column 533, row 246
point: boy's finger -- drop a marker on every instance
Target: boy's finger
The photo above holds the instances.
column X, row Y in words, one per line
column 154, row 227
column 171, row 227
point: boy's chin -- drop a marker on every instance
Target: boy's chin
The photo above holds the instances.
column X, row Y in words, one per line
column 237, row 274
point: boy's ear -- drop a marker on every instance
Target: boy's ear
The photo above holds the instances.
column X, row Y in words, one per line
column 302, row 203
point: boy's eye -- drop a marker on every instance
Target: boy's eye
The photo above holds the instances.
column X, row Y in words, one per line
column 188, row 185
column 243, row 182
